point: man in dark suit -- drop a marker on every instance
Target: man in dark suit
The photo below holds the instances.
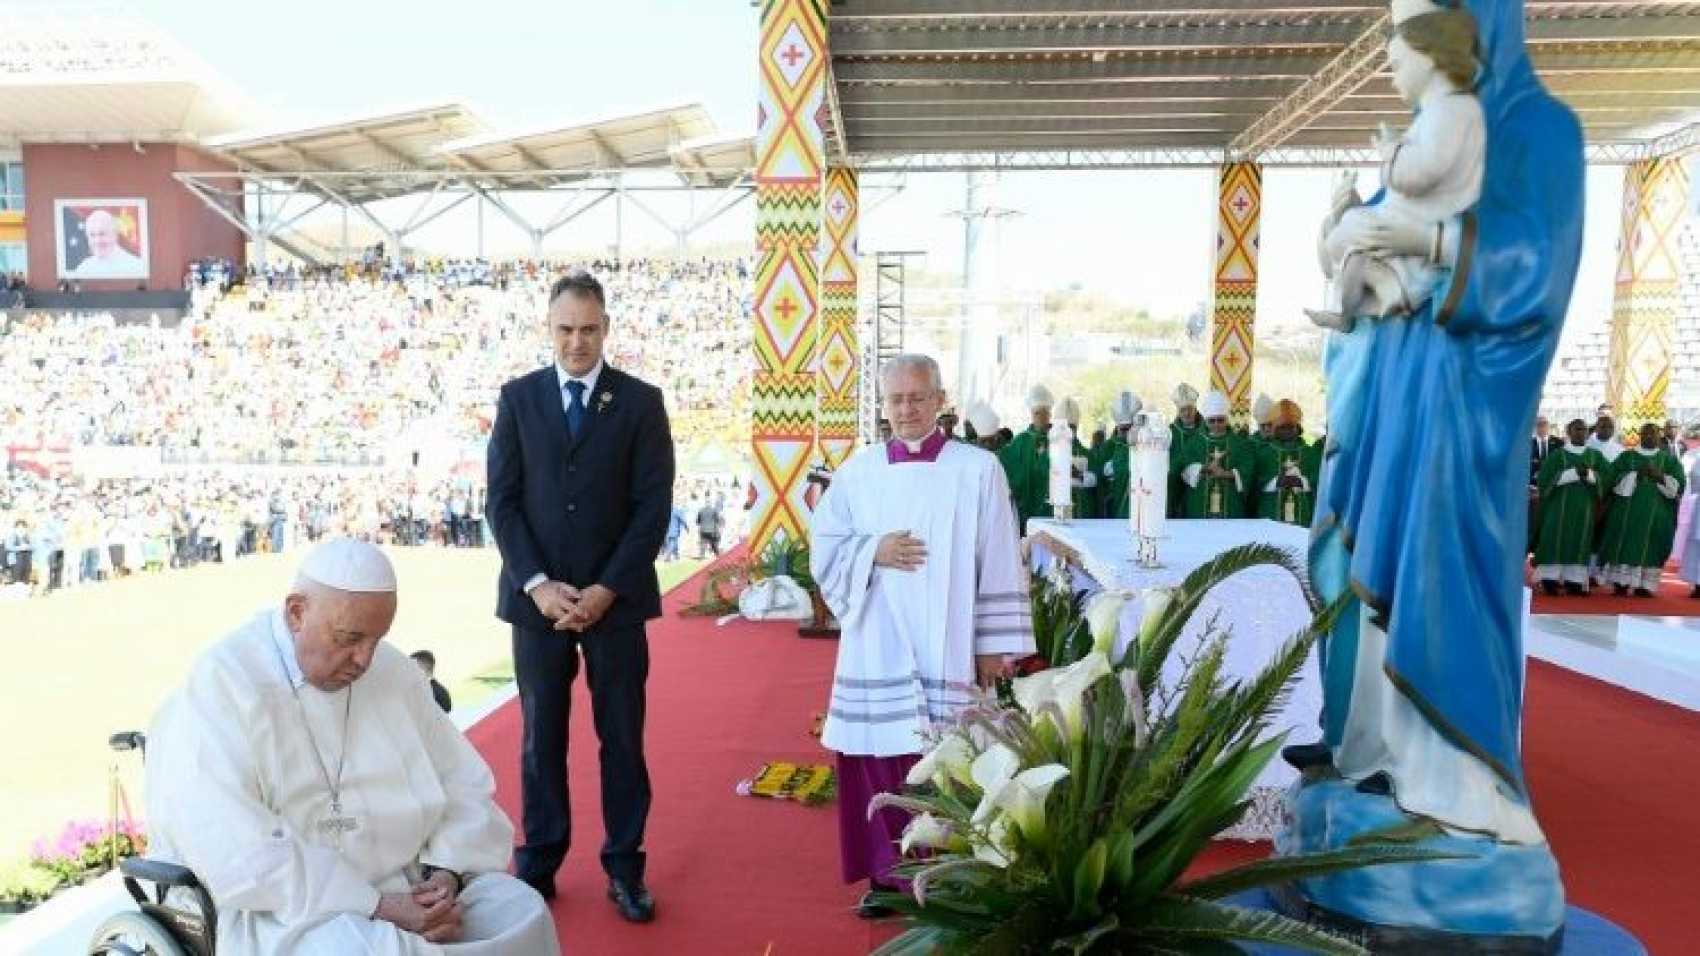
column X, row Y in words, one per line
column 580, row 488
column 1541, row 443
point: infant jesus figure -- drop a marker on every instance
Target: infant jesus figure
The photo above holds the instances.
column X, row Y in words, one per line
column 1383, row 260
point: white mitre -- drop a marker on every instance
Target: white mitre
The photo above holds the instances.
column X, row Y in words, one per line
column 983, row 418
column 1125, row 408
column 1406, row 9
column 1213, row 405
column 1263, row 410
column 1039, row 397
column 346, row 564
column 1071, row 411
column 1185, row 395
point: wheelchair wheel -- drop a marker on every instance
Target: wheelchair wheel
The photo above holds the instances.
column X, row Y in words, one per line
column 134, row 934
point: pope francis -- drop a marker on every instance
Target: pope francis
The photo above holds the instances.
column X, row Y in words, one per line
column 306, row 776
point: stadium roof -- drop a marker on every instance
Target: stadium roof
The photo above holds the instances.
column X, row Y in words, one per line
column 637, row 140
column 103, row 75
column 1066, row 82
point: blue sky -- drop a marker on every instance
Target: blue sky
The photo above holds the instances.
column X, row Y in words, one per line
column 1144, row 237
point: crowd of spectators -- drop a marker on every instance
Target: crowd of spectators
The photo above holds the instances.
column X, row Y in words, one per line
column 296, row 403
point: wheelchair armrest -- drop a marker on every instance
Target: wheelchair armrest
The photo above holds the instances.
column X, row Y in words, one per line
column 158, row 872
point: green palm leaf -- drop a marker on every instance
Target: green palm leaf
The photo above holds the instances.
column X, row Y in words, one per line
column 1290, row 869
column 1178, row 919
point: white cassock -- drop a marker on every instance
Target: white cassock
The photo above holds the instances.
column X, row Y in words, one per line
column 908, row 640
column 1688, row 539
column 235, row 792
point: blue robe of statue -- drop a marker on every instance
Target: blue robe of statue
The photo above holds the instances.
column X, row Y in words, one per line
column 1422, row 506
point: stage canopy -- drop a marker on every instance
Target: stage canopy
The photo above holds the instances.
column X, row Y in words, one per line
column 921, row 84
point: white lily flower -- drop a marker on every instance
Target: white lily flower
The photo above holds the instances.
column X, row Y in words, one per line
column 1157, row 601
column 950, row 758
column 1104, row 618
column 928, row 831
column 1023, row 799
column 991, row 770
column 1070, row 688
column 1035, row 690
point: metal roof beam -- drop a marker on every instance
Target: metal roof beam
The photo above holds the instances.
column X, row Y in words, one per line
column 1316, row 95
column 911, row 11
column 865, row 94
column 1114, row 70
column 1082, row 40
column 925, row 112
column 1678, row 143
column 1037, row 160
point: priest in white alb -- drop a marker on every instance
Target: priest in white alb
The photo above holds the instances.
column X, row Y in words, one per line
column 308, row 778
column 915, row 550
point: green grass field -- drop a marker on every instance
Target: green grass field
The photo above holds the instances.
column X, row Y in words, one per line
column 76, row 667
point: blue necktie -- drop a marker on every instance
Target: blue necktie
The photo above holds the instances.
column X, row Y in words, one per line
column 575, row 407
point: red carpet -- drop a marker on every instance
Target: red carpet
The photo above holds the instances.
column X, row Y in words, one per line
column 1613, row 774
column 1671, row 600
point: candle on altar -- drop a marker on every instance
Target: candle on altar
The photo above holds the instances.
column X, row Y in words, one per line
column 1061, row 440
column 1148, row 483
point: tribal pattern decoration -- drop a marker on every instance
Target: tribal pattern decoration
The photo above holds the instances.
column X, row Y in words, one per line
column 790, row 163
column 1649, row 273
column 1233, row 308
column 837, row 355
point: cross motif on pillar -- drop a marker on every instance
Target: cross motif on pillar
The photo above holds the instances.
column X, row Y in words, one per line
column 838, row 207
column 1240, row 204
column 791, row 55
column 786, row 308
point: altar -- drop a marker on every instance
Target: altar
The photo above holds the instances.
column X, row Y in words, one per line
column 1263, row 608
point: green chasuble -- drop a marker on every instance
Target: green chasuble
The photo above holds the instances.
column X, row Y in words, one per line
column 1110, row 465
column 1641, row 527
column 1566, row 512
column 1181, row 438
column 1027, row 464
column 1289, row 505
column 1217, row 497
column 1254, row 443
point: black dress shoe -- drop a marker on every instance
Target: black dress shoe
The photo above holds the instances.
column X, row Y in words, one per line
column 1643, row 592
column 632, row 899
column 1695, row 594
column 1620, row 589
column 1550, row 588
column 544, row 885
column 871, row 908
column 1571, row 587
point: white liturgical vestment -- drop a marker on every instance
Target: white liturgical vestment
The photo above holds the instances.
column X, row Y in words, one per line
column 908, row 637
column 237, row 791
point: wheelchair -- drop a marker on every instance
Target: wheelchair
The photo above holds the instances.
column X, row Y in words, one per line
column 159, row 927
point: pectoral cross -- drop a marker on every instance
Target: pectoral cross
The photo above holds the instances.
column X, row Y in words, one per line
column 1213, row 508
column 335, row 825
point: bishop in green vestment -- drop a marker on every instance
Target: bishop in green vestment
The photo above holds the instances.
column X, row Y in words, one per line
column 1186, row 426
column 1215, row 465
column 1569, row 483
column 1645, row 485
column 1082, row 480
column 1284, row 479
column 1027, row 461
column 1109, row 464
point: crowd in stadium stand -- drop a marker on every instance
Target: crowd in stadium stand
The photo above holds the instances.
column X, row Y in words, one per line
column 298, row 403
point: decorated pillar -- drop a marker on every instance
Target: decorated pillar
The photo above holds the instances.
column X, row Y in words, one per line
column 1233, row 306
column 1643, row 315
column 790, row 148
column 839, row 371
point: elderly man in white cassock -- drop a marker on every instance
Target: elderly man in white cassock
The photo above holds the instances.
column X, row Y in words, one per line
column 915, row 550
column 308, row 778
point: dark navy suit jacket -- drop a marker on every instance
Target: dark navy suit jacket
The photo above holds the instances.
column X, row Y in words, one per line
column 588, row 511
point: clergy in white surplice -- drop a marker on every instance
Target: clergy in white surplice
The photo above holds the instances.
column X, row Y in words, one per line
column 916, row 551
column 306, row 775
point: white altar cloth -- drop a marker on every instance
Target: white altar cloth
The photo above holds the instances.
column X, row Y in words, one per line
column 1264, row 608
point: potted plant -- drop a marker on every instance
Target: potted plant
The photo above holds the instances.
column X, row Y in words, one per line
column 1061, row 814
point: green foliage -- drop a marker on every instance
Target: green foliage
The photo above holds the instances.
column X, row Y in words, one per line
column 24, row 882
column 1059, row 627
column 787, row 556
column 1093, row 863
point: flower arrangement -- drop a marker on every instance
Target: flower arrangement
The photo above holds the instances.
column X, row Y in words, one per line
column 1062, row 817
column 23, row 885
column 86, row 846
